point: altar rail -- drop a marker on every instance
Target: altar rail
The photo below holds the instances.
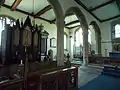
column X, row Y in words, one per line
column 104, row 60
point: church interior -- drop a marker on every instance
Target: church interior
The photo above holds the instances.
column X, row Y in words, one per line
column 59, row 44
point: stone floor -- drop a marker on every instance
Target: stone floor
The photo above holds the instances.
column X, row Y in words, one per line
column 88, row 73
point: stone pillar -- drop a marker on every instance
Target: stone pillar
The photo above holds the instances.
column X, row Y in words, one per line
column 60, row 30
column 85, row 47
column 70, row 52
column 99, row 44
column 60, row 44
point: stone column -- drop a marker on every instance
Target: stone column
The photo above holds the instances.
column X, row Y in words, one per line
column 99, row 44
column 60, row 30
column 70, row 47
column 85, row 47
column 60, row 44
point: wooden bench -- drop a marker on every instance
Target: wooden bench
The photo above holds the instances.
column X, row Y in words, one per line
column 12, row 85
column 61, row 79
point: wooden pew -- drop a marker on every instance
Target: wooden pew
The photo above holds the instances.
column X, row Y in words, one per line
column 64, row 79
column 12, row 85
column 59, row 78
column 49, row 81
column 34, row 78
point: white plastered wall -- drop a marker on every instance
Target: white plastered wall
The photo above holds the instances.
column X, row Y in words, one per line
column 106, row 37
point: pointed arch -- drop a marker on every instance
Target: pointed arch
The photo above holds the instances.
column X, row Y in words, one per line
column 84, row 25
column 97, row 35
column 80, row 16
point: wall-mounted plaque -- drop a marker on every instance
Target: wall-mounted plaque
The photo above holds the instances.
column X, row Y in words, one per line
column 53, row 42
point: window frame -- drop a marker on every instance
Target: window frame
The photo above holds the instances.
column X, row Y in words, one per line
column 113, row 24
column 75, row 35
column 116, row 30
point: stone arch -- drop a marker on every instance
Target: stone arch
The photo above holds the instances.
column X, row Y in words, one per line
column 80, row 16
column 97, row 36
column 97, row 29
column 84, row 25
column 60, row 30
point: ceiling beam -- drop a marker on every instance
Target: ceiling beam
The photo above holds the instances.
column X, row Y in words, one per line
column 18, row 10
column 15, row 4
column 73, row 27
column 53, row 21
column 45, row 9
column 73, row 22
column 43, row 19
column 81, row 4
column 110, row 18
column 102, row 5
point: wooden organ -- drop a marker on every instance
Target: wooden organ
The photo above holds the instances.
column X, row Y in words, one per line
column 14, row 40
column 27, row 43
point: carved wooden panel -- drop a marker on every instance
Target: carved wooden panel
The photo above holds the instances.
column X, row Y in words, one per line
column 16, row 37
column 35, row 39
column 27, row 35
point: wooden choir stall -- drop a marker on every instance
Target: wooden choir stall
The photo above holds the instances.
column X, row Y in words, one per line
column 24, row 63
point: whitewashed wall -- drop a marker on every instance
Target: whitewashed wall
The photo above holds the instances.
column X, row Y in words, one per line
column 106, row 36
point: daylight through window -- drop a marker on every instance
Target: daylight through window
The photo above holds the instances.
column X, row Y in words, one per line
column 117, row 31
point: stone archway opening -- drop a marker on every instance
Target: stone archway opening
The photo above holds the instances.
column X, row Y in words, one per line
column 71, row 24
column 96, row 37
column 82, row 24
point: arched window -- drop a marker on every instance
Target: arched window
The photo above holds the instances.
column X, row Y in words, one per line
column 65, row 41
column 117, row 31
column 3, row 21
column 89, row 40
column 78, row 49
column 89, row 36
column 79, row 37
